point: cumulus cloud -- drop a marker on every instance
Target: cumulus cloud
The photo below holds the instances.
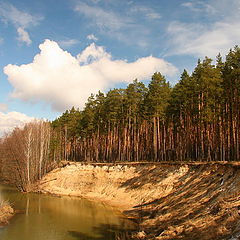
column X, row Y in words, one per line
column 8, row 121
column 23, row 36
column 92, row 37
column 62, row 80
column 200, row 38
column 21, row 20
column 92, row 53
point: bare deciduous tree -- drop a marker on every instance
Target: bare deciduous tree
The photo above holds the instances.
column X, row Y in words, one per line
column 25, row 154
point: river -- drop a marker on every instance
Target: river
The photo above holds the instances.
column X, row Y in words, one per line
column 44, row 217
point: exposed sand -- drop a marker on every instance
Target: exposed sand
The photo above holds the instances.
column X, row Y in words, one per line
column 117, row 185
column 171, row 201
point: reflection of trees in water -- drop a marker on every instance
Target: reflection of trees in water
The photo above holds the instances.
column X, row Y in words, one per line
column 105, row 232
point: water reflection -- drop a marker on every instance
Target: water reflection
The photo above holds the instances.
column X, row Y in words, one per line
column 105, row 232
column 61, row 218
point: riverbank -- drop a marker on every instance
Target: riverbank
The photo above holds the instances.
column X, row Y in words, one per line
column 6, row 212
column 170, row 201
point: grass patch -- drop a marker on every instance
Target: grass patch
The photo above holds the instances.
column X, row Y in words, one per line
column 6, row 212
column 4, row 203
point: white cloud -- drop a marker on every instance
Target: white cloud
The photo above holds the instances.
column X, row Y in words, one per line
column 8, row 121
column 202, row 39
column 63, row 81
column 147, row 12
column 3, row 107
column 11, row 14
column 68, row 43
column 199, row 7
column 121, row 26
column 96, row 1
column 23, row 36
column 19, row 19
column 102, row 18
column 91, row 54
column 153, row 15
column 92, row 37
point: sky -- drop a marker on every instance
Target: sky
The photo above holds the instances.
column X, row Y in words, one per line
column 55, row 53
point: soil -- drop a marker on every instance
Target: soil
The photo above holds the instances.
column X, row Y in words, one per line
column 169, row 200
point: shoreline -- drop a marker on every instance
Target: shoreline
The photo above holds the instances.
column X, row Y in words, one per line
column 96, row 182
column 170, row 200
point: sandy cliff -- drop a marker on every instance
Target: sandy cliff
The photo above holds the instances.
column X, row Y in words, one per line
column 171, row 201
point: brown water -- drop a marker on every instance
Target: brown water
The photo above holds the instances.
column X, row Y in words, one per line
column 46, row 217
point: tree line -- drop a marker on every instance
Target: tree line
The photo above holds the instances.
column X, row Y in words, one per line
column 197, row 119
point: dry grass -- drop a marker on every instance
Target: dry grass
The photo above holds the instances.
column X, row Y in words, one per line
column 6, row 212
column 4, row 203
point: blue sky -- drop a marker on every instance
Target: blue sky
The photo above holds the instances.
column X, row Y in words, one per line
column 54, row 53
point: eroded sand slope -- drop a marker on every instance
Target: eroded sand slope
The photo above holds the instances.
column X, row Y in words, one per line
column 171, row 201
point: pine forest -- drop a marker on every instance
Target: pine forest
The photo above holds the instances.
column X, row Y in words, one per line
column 198, row 119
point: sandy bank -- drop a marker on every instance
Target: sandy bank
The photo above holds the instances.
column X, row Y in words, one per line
column 118, row 185
column 172, row 201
